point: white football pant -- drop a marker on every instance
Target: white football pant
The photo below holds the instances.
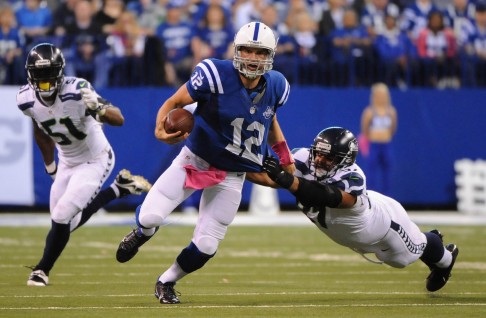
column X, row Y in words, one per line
column 217, row 208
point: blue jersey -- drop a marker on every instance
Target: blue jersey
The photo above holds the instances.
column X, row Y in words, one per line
column 177, row 40
column 232, row 125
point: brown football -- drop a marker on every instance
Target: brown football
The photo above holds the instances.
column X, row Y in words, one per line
column 179, row 119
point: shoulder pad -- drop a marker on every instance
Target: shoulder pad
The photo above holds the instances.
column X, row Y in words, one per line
column 25, row 97
column 208, row 74
column 74, row 84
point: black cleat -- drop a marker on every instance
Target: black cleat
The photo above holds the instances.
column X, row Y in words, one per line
column 166, row 293
column 130, row 184
column 38, row 278
column 438, row 233
column 128, row 247
column 439, row 276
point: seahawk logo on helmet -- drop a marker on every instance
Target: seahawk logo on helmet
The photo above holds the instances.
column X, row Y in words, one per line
column 255, row 35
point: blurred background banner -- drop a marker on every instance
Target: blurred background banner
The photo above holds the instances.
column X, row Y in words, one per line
column 16, row 155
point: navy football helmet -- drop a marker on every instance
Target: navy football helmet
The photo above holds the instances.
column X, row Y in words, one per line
column 45, row 68
column 337, row 145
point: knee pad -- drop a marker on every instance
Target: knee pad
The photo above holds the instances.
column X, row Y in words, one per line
column 148, row 220
column 192, row 259
column 64, row 212
column 207, row 244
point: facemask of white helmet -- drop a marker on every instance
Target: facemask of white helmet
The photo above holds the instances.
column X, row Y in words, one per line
column 254, row 35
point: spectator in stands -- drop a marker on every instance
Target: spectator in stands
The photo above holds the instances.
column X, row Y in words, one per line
column 332, row 17
column 459, row 17
column 213, row 36
column 414, row 17
column 378, row 126
column 391, row 49
column 197, row 9
column 83, row 24
column 149, row 13
column 176, row 36
column 63, row 15
column 436, row 46
column 82, row 58
column 85, row 47
column 316, row 8
column 402, row 4
column 127, row 44
column 284, row 59
column 475, row 48
column 245, row 11
column 34, row 20
column 11, row 43
column 109, row 13
column 374, row 13
column 306, row 45
column 294, row 9
column 350, row 52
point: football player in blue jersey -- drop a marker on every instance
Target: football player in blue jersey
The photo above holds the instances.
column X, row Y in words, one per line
column 235, row 123
column 67, row 115
column 331, row 190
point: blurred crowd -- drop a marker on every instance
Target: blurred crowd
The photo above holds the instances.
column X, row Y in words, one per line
column 334, row 43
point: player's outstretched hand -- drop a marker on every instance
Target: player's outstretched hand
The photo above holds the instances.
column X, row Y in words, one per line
column 162, row 135
column 90, row 99
column 273, row 169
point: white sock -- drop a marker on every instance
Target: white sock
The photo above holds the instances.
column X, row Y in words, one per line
column 173, row 274
column 446, row 260
column 115, row 188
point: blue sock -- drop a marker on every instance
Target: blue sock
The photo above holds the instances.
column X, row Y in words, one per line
column 191, row 259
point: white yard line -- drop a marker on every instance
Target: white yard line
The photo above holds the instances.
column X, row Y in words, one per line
column 243, row 218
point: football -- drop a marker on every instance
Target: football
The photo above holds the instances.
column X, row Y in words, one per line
column 179, row 119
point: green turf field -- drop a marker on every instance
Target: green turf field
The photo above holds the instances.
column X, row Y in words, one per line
column 257, row 272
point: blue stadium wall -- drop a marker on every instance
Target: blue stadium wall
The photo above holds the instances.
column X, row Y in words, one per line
column 435, row 128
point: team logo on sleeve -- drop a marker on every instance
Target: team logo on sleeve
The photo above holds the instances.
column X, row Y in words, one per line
column 197, row 79
column 82, row 84
column 268, row 113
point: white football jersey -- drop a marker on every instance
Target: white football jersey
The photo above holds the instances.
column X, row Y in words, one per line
column 79, row 137
column 375, row 224
column 365, row 223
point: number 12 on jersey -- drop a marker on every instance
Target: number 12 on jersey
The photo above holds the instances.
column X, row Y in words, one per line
column 243, row 149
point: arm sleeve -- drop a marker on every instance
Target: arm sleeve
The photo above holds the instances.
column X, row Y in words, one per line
column 312, row 193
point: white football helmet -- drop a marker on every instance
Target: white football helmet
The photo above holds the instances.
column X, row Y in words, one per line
column 257, row 35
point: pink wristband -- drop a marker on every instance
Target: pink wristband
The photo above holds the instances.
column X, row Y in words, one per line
column 283, row 153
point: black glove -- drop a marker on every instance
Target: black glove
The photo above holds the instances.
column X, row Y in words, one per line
column 272, row 167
